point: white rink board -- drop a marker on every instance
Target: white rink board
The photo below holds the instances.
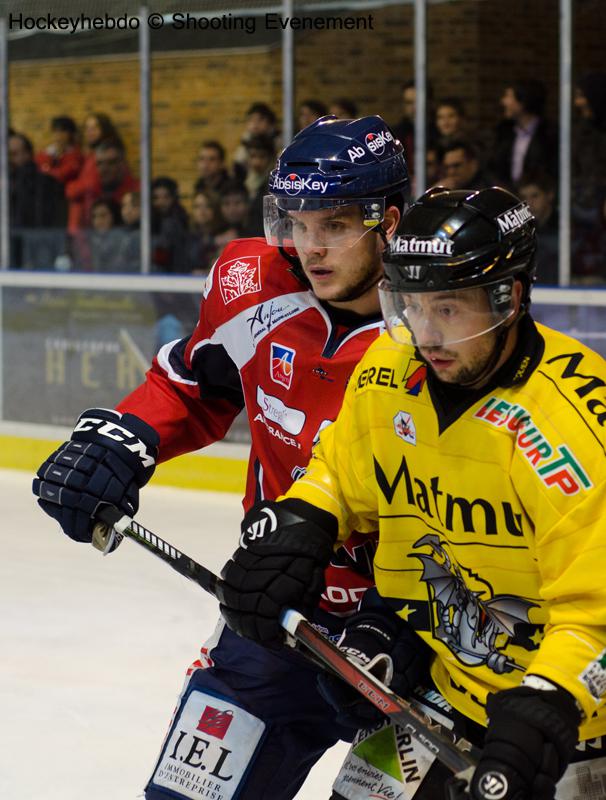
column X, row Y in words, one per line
column 94, row 650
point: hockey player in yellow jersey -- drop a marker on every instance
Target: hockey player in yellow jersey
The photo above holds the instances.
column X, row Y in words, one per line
column 474, row 439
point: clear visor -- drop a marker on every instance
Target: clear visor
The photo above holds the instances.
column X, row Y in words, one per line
column 440, row 319
column 310, row 223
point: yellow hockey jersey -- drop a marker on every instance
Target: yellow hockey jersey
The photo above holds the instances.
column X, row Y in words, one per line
column 491, row 507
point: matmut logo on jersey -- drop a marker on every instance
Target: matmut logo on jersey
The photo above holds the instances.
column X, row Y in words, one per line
column 555, row 466
column 239, row 276
column 281, row 364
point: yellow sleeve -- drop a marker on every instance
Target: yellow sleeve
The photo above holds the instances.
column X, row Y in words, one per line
column 571, row 558
column 339, row 475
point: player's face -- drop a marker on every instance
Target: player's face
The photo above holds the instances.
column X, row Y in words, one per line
column 456, row 333
column 337, row 273
column 462, row 363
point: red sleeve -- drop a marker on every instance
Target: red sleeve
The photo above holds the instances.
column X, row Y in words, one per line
column 184, row 420
column 64, row 169
column 192, row 393
column 87, row 183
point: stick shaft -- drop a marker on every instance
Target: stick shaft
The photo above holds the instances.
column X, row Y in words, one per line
column 457, row 756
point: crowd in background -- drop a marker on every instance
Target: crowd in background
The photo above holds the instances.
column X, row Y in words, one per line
column 76, row 204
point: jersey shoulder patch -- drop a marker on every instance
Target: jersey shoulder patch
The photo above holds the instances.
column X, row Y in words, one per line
column 247, row 273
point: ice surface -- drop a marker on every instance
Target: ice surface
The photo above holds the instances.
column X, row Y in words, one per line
column 94, row 650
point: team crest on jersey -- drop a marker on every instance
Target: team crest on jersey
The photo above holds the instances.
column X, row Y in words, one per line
column 415, row 376
column 239, row 276
column 467, row 616
column 281, row 364
column 404, row 427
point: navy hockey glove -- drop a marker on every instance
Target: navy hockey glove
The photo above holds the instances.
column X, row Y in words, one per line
column 284, row 549
column 530, row 739
column 108, row 459
column 386, row 646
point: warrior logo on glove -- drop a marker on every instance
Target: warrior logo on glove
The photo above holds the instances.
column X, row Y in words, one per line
column 258, row 528
column 493, row 786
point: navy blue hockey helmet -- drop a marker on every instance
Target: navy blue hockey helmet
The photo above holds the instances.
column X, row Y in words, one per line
column 334, row 163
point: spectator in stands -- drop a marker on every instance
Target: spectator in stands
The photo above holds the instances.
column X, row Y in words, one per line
column 450, row 121
column 169, row 224
column 36, row 201
column 433, row 166
column 309, row 111
column 524, row 140
column 130, row 209
column 589, row 150
column 98, row 128
column 206, row 224
column 260, row 120
column 588, row 251
column 176, row 313
column 261, row 156
column 539, row 192
column 461, row 166
column 404, row 130
column 63, row 158
column 212, row 172
column 83, row 190
column 234, row 209
column 100, row 248
column 343, row 108
column 111, row 180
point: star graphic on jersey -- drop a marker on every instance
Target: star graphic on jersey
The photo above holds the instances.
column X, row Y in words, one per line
column 537, row 637
column 406, row 611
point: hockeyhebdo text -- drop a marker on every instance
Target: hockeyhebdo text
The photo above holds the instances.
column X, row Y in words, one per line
column 186, row 21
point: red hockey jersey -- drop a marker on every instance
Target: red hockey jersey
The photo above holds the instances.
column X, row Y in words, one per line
column 263, row 341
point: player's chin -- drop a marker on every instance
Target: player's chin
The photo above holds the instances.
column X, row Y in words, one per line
column 326, row 289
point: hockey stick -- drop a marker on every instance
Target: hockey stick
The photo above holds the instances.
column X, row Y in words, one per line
column 457, row 754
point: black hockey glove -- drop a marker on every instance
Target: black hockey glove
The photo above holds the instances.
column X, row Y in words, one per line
column 284, row 548
column 529, row 742
column 386, row 646
column 108, row 459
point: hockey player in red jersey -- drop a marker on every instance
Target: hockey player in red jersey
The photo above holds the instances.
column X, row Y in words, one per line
column 283, row 322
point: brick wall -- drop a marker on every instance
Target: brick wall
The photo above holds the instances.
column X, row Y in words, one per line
column 474, row 48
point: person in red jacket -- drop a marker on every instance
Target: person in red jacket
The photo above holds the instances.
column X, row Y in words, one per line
column 111, row 180
column 63, row 158
column 85, row 188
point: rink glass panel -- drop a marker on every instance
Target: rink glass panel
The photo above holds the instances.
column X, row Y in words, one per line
column 68, row 349
column 65, row 350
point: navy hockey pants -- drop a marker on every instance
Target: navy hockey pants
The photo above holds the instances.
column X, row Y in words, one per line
column 251, row 726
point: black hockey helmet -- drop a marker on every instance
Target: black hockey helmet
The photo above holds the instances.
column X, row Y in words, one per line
column 460, row 239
